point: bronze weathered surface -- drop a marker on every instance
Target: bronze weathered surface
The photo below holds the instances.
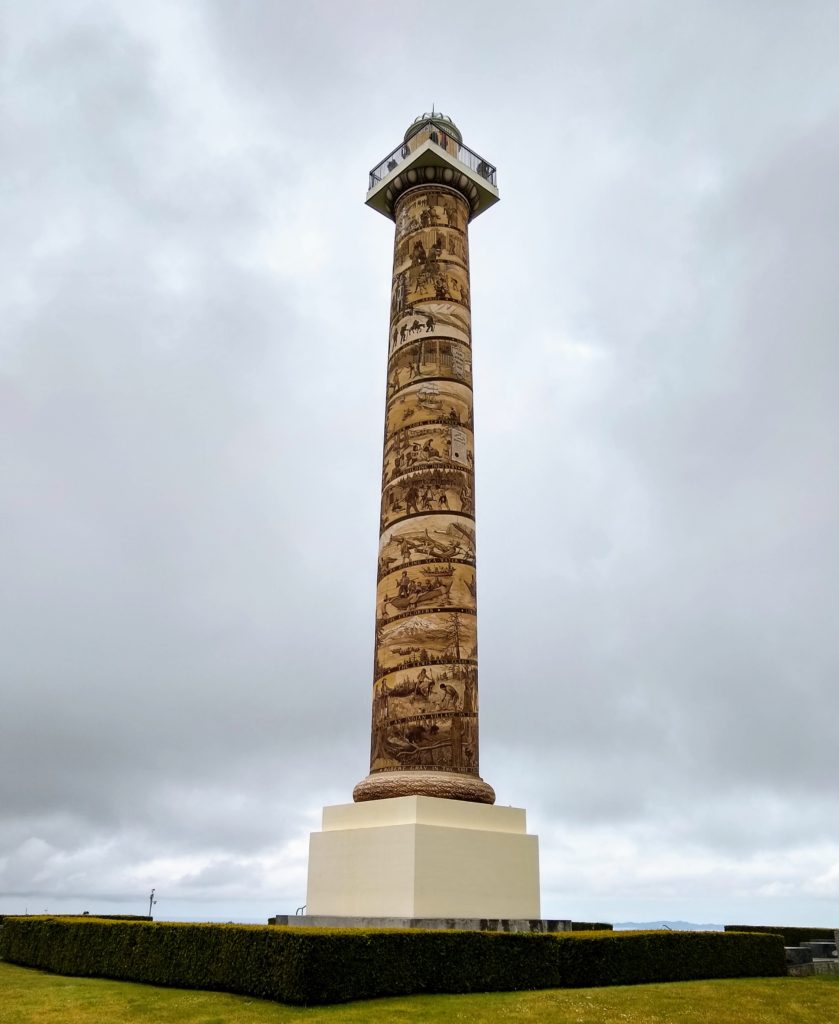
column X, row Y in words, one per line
column 446, row 785
column 425, row 691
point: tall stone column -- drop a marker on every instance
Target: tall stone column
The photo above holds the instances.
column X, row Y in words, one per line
column 399, row 854
column 425, row 687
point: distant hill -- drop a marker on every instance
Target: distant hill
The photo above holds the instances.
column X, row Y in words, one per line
column 676, row 926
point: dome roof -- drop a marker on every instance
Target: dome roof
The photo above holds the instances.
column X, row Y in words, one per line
column 442, row 121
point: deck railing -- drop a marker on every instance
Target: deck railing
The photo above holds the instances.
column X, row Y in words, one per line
column 437, row 133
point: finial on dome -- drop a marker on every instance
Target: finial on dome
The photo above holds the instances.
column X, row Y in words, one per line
column 443, row 122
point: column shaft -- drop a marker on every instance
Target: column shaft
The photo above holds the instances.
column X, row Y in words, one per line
column 425, row 689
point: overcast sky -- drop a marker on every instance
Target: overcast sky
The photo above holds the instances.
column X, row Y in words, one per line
column 194, row 309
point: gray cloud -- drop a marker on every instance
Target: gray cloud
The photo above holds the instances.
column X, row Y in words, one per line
column 191, row 385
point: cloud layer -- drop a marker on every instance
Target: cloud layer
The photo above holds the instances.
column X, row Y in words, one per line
column 191, row 394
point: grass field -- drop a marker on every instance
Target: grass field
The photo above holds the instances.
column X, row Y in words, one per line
column 32, row 997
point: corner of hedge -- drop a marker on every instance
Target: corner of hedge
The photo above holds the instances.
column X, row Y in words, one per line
column 792, row 936
column 309, row 966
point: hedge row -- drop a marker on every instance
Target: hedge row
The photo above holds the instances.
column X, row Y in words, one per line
column 101, row 917
column 307, row 965
column 590, row 926
column 792, row 936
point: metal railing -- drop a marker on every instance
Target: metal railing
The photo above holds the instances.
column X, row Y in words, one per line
column 438, row 135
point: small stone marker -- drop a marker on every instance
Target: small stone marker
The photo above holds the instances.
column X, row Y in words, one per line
column 798, row 954
column 820, row 948
column 799, row 961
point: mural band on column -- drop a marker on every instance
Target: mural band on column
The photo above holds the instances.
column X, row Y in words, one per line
column 425, row 692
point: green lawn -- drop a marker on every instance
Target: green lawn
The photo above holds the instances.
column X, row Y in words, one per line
column 32, row 997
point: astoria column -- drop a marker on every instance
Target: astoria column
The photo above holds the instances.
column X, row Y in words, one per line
column 425, row 686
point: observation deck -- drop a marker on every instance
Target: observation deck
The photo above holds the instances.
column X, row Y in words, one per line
column 432, row 152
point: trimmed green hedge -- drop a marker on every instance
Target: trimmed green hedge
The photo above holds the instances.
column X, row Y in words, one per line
column 792, row 936
column 307, row 965
column 101, row 917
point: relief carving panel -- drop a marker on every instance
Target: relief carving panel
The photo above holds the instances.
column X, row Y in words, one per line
column 425, row 692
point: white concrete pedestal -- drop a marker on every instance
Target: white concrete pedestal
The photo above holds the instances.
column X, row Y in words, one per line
column 422, row 857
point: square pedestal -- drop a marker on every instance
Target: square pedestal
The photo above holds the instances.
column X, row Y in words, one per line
column 422, row 857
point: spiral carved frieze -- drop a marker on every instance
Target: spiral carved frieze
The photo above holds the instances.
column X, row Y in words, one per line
column 425, row 688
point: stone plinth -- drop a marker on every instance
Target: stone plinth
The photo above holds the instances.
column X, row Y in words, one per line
column 797, row 955
column 821, row 949
column 421, row 857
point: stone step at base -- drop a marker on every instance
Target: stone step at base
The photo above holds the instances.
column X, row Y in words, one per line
column 466, row 924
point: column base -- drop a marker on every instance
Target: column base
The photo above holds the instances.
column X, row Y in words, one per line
column 460, row 924
column 444, row 785
column 420, row 857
